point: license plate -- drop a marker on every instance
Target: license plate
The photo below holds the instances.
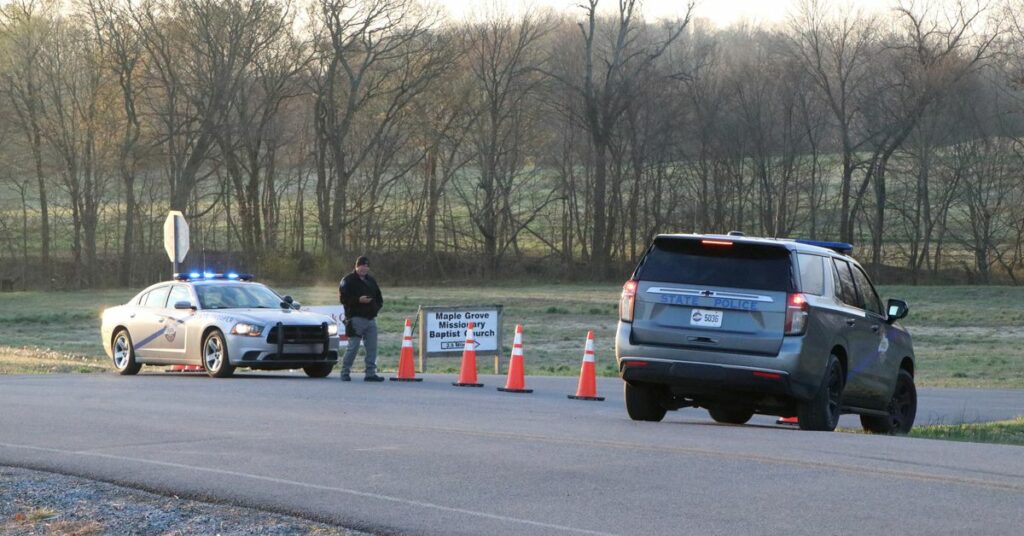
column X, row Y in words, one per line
column 706, row 318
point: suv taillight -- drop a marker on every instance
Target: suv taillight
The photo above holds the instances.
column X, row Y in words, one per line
column 627, row 301
column 796, row 314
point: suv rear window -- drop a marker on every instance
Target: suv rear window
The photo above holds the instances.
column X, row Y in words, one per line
column 740, row 265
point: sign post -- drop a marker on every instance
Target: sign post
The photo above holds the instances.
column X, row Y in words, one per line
column 176, row 237
column 442, row 330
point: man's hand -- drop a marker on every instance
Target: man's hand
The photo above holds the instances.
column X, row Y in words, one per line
column 365, row 299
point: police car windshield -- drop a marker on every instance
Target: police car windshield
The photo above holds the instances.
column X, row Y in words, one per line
column 237, row 296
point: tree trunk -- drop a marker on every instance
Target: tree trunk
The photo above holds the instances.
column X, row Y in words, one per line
column 598, row 240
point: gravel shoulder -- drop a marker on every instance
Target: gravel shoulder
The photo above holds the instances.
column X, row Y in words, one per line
column 35, row 503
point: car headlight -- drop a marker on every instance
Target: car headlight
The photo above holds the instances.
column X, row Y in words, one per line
column 249, row 330
column 332, row 330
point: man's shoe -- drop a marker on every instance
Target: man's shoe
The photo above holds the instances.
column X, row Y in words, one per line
column 345, row 377
column 373, row 378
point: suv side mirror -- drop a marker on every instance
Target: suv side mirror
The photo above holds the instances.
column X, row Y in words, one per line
column 896, row 309
column 184, row 305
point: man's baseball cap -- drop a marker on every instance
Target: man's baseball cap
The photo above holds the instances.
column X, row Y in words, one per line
column 362, row 260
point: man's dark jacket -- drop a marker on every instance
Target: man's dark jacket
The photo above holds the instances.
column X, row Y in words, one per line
column 352, row 287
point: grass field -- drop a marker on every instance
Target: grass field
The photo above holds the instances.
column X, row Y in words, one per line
column 1010, row 432
column 963, row 336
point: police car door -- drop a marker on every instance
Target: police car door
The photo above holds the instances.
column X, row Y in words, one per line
column 145, row 326
column 171, row 345
column 878, row 367
column 861, row 341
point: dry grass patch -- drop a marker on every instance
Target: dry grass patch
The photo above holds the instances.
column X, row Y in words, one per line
column 27, row 360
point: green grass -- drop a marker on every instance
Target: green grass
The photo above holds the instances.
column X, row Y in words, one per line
column 1009, row 432
column 963, row 336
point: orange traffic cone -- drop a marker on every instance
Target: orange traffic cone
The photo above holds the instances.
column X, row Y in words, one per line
column 406, row 368
column 587, row 389
column 467, row 375
column 792, row 421
column 516, row 382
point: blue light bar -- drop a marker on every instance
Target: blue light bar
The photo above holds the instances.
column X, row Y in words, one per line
column 198, row 276
column 839, row 247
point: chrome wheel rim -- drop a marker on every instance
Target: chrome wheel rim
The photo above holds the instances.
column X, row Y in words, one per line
column 214, row 354
column 121, row 352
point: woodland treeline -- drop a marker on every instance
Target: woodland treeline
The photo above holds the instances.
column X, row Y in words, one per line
column 296, row 135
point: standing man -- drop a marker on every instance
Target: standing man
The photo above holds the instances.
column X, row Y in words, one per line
column 362, row 299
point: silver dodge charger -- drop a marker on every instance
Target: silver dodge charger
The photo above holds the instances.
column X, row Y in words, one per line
column 219, row 322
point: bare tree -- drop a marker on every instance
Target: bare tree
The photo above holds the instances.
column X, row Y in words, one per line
column 198, row 55
column 837, row 53
column 122, row 51
column 615, row 53
column 26, row 26
column 370, row 62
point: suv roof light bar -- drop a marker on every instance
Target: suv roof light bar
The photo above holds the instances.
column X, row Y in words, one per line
column 839, row 247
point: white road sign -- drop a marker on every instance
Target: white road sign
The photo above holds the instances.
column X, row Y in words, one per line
column 445, row 330
column 176, row 236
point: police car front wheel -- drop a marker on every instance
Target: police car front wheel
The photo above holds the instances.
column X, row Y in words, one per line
column 124, row 354
column 215, row 356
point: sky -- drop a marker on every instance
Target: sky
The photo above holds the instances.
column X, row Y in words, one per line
column 720, row 12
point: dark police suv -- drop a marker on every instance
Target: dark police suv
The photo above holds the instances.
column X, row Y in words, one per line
column 741, row 325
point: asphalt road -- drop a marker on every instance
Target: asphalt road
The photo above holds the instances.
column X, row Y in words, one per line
column 430, row 458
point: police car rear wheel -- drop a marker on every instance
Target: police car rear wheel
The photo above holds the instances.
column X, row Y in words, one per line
column 124, row 354
column 643, row 403
column 215, row 356
column 821, row 413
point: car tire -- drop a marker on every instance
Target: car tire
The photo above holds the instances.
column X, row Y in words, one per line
column 642, row 403
column 731, row 415
column 215, row 356
column 124, row 354
column 821, row 413
column 320, row 370
column 902, row 409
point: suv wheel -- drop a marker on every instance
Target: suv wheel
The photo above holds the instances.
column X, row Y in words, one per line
column 731, row 415
column 821, row 413
column 642, row 403
column 215, row 356
column 902, row 409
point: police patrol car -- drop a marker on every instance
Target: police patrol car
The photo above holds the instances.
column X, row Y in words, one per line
column 221, row 322
column 742, row 325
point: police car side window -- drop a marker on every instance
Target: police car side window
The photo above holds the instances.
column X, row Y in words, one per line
column 867, row 290
column 157, row 298
column 812, row 277
column 179, row 293
column 847, row 291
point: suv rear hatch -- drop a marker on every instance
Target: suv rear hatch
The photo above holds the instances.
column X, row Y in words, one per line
column 713, row 294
